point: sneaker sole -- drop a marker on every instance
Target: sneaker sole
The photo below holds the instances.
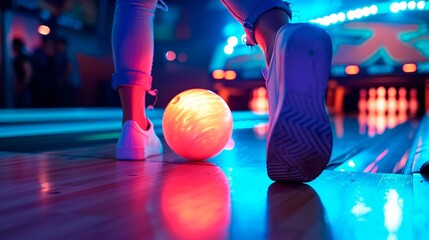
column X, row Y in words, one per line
column 299, row 142
column 134, row 154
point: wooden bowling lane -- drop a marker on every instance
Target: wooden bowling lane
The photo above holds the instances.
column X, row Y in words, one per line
column 419, row 155
column 52, row 196
column 84, row 192
column 386, row 153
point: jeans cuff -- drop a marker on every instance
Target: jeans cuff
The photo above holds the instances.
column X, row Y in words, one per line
column 132, row 78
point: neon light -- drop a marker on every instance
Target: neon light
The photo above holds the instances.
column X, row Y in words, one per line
column 409, row 67
column 403, row 5
column 358, row 13
column 43, row 29
column 394, row 7
column 230, row 75
column 383, row 43
column 243, row 38
column 341, row 17
column 218, row 74
column 233, row 41
column 333, row 18
column 228, row 49
column 366, row 12
column 352, row 69
column 373, row 9
column 326, row 21
column 170, row 56
column 230, row 29
column 421, row 5
column 351, row 15
column 412, row 5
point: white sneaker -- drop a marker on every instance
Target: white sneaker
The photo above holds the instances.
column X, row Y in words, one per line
column 299, row 141
column 137, row 144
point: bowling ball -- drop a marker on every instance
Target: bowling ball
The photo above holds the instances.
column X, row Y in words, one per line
column 197, row 124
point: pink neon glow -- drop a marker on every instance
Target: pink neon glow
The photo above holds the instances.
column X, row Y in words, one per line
column 187, row 213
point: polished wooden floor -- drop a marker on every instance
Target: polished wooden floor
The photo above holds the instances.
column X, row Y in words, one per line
column 59, row 180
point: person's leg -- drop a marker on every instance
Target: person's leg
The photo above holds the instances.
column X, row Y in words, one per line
column 261, row 20
column 299, row 141
column 266, row 28
column 132, row 44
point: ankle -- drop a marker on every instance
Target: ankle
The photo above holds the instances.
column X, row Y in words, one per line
column 142, row 122
column 133, row 105
column 266, row 29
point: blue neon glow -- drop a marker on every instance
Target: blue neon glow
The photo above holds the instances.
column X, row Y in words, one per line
column 351, row 15
column 333, row 18
column 341, row 17
column 243, row 38
column 394, row 7
column 367, row 11
column 421, row 5
column 233, row 41
column 230, row 29
column 373, row 9
column 412, row 5
column 228, row 49
column 358, row 13
column 403, row 5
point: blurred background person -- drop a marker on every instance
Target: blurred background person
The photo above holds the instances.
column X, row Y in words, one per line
column 44, row 81
column 23, row 73
column 66, row 90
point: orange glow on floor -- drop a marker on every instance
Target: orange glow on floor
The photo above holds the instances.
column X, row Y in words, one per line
column 218, row 74
column 189, row 210
column 409, row 67
column 352, row 69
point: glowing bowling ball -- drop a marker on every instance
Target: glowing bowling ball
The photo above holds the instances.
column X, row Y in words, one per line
column 197, row 124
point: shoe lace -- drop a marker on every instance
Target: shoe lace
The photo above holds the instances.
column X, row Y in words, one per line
column 154, row 93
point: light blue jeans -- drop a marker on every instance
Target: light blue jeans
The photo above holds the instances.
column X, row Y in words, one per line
column 132, row 35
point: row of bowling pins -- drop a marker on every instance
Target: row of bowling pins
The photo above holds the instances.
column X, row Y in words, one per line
column 376, row 124
column 391, row 101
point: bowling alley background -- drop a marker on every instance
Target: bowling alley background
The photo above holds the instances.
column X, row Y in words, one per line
column 58, row 171
column 380, row 62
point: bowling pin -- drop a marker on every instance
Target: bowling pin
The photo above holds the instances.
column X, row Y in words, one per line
column 372, row 119
column 392, row 102
column 381, row 101
column 414, row 103
column 392, row 120
column 259, row 102
column 362, row 101
column 402, row 105
column 371, row 103
column 362, row 119
column 380, row 123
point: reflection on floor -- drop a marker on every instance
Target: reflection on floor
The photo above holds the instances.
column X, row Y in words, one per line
column 59, row 178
